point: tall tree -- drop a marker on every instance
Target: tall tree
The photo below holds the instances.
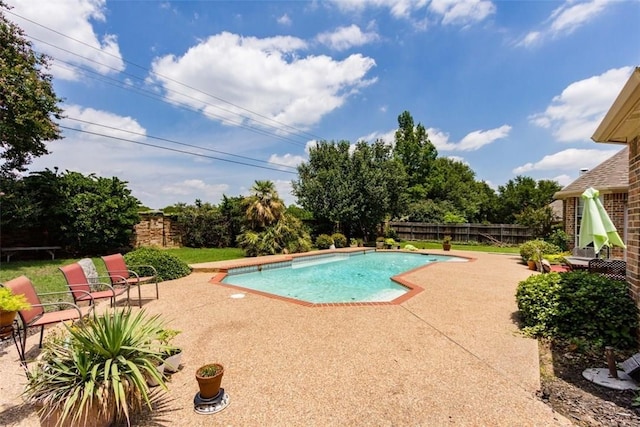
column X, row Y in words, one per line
column 524, row 192
column 354, row 189
column 28, row 103
column 416, row 152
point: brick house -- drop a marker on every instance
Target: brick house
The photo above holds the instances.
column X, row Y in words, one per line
column 621, row 125
column 611, row 179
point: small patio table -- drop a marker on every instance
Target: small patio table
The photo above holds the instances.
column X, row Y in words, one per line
column 578, row 263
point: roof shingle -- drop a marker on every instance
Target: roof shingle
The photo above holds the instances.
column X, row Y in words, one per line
column 612, row 175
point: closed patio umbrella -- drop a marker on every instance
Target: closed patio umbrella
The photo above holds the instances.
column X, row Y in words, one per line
column 596, row 226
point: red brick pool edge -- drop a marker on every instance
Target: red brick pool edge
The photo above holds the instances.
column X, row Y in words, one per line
column 413, row 289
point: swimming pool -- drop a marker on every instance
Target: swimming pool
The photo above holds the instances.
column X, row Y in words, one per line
column 335, row 278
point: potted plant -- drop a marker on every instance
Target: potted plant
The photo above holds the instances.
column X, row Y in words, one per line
column 209, row 378
column 95, row 372
column 380, row 242
column 10, row 304
column 390, row 243
column 353, row 242
column 172, row 355
column 446, row 243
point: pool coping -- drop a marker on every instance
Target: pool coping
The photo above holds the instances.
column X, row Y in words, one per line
column 222, row 272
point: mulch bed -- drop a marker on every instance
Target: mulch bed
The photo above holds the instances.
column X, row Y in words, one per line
column 581, row 401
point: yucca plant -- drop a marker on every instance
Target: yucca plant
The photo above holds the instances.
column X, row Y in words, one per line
column 98, row 367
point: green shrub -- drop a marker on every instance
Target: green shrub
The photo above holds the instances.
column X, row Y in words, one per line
column 578, row 306
column 102, row 362
column 169, row 266
column 528, row 249
column 324, row 241
column 559, row 238
column 339, row 240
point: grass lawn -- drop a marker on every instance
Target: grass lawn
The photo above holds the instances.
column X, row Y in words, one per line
column 47, row 278
column 464, row 247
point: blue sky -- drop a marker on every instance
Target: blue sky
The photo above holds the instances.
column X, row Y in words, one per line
column 235, row 91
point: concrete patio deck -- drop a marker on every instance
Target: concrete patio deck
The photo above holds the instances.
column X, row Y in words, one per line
column 451, row 355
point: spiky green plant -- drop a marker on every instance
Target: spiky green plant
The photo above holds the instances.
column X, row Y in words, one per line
column 103, row 361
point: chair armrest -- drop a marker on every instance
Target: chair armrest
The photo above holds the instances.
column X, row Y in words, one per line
column 91, row 285
column 155, row 272
column 72, row 305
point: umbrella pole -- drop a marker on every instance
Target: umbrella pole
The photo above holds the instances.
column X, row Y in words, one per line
column 611, row 362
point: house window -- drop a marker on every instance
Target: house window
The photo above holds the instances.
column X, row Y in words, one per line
column 579, row 209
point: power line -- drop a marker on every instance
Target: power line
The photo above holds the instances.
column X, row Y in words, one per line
column 299, row 131
column 179, row 143
column 173, row 149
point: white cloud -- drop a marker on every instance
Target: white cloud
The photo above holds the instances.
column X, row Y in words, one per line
column 459, row 159
column 72, row 18
column 563, row 179
column 89, row 119
column 471, row 142
column 530, row 39
column 263, row 75
column 388, row 137
column 286, row 160
column 460, row 12
column 576, row 112
column 569, row 159
column 284, row 20
column 284, row 189
column 196, row 188
column 566, row 19
column 344, row 38
column 571, row 15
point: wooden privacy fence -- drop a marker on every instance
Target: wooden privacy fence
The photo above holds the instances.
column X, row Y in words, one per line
column 482, row 233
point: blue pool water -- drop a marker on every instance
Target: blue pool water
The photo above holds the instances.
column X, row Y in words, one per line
column 337, row 278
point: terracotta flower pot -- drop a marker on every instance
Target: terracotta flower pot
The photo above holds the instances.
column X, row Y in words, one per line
column 6, row 322
column 209, row 385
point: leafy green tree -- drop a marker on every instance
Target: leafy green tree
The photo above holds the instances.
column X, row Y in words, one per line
column 203, row 225
column 233, row 213
column 352, row 189
column 99, row 213
column 521, row 193
column 28, row 103
column 85, row 214
column 416, row 152
column 540, row 221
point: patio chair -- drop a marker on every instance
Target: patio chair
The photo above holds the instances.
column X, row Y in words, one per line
column 83, row 290
column 121, row 274
column 36, row 316
column 611, row 268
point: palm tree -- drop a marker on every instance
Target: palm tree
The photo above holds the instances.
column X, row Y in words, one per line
column 263, row 206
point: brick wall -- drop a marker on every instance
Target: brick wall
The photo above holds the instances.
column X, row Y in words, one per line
column 633, row 249
column 157, row 229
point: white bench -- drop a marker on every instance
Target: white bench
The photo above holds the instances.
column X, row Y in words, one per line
column 9, row 252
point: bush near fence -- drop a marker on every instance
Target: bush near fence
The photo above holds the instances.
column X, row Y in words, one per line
column 509, row 234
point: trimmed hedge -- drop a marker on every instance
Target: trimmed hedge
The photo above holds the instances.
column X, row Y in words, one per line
column 578, row 306
column 169, row 266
